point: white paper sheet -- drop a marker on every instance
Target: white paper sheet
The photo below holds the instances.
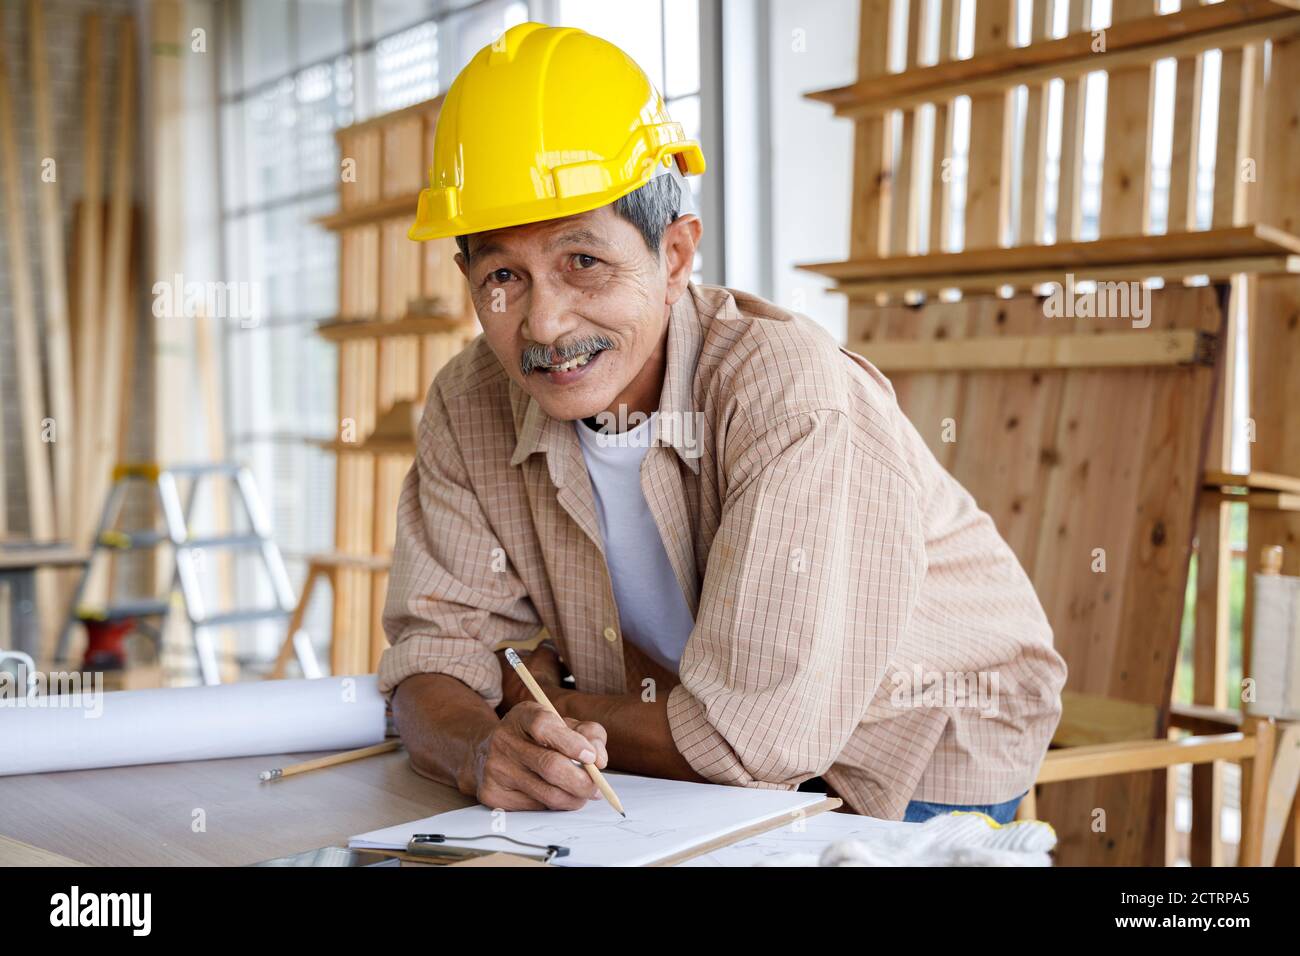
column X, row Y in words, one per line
column 80, row 732
column 664, row 817
column 809, row 837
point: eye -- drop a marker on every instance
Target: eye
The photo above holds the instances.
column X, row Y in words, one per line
column 500, row 275
column 585, row 261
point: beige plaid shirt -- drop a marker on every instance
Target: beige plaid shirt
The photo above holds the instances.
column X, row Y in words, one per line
column 856, row 615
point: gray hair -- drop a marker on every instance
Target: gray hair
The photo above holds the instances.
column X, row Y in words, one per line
column 651, row 208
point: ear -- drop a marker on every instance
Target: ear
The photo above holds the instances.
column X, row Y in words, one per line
column 680, row 241
column 460, row 264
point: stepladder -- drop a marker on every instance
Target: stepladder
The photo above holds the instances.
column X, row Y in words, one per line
column 188, row 562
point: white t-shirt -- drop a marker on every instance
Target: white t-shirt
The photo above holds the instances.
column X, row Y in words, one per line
column 651, row 607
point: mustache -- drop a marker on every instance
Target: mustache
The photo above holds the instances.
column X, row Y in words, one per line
column 536, row 356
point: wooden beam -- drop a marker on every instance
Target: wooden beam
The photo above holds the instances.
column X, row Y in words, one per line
column 1126, row 164
column 1131, row 44
column 1088, row 719
column 1236, row 242
column 1102, row 350
column 941, row 156
column 1101, row 760
column 90, row 239
column 1253, row 481
column 117, row 272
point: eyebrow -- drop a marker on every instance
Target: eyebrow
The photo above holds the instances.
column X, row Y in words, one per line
column 572, row 236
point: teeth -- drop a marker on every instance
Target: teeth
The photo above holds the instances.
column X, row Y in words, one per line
column 570, row 365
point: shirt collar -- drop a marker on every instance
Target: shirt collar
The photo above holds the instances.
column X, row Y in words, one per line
column 678, row 423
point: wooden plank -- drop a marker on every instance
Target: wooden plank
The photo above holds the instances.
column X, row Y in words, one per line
column 1033, row 167
column 1100, row 350
column 1183, row 160
column 1087, row 720
column 905, row 207
column 1254, row 480
column 872, row 146
column 988, row 160
column 1086, row 763
column 1073, row 116
column 1125, row 168
column 1235, row 242
column 90, row 236
column 1216, row 270
column 116, row 268
column 1153, row 464
column 942, row 144
column 1131, row 41
column 55, row 280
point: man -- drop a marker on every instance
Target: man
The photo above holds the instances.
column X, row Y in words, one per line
column 748, row 560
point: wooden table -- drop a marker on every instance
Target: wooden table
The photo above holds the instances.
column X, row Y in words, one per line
column 145, row 816
column 18, row 567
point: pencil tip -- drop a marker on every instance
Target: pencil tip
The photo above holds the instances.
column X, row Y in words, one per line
column 623, row 814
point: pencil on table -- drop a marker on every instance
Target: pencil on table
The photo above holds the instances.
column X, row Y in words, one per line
column 540, row 696
column 347, row 755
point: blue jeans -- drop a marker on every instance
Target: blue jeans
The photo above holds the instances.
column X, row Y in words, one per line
column 918, row 811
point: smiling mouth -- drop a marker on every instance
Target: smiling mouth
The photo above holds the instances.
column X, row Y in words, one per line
column 576, row 362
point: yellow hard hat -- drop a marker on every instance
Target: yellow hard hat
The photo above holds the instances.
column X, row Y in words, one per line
column 545, row 122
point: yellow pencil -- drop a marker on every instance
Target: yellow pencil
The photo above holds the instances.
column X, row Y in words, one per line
column 386, row 747
column 596, row 776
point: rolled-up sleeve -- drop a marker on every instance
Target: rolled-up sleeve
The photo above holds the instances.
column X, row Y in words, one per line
column 781, row 666
column 452, row 594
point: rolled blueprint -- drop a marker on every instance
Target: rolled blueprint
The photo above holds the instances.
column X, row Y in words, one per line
column 81, row 729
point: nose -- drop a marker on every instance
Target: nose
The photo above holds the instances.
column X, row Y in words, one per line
column 547, row 318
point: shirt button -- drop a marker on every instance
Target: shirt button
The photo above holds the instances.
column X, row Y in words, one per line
column 611, row 635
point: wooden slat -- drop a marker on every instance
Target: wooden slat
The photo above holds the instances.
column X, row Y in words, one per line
column 942, row 152
column 872, row 146
column 1033, row 167
column 1183, row 161
column 1254, row 481
column 905, row 206
column 988, row 160
column 1087, row 720
column 1100, row 350
column 1217, row 270
column 1073, row 115
column 1084, row 763
column 1137, row 41
column 1125, row 168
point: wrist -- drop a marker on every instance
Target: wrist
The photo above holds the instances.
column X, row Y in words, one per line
column 467, row 775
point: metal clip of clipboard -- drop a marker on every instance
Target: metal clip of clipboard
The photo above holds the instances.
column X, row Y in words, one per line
column 434, row 848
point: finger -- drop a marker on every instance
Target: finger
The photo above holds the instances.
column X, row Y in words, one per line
column 596, row 734
column 525, row 780
column 500, row 797
column 552, row 732
column 556, row 770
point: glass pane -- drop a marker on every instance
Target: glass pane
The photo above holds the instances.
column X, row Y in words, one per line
column 635, row 26
column 682, row 46
column 322, row 29
column 406, row 67
column 267, row 52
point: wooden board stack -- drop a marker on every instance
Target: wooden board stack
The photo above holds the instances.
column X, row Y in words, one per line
column 404, row 312
column 1096, row 439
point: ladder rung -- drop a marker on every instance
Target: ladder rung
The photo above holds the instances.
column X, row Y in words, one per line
column 242, row 617
column 225, row 541
column 130, row 540
column 204, row 468
column 119, row 612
